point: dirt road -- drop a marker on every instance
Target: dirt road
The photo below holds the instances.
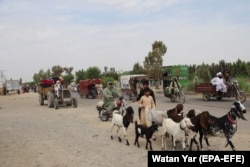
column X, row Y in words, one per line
column 33, row 135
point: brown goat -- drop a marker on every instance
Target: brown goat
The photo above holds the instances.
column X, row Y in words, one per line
column 175, row 113
column 201, row 124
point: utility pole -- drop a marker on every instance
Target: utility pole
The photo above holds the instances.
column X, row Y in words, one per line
column 2, row 76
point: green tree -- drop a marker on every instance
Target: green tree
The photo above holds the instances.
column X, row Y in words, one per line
column 203, row 72
column 57, row 71
column 153, row 62
column 80, row 75
column 138, row 69
column 93, row 72
column 68, row 78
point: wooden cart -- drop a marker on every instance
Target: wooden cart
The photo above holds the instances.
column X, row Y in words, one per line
column 131, row 85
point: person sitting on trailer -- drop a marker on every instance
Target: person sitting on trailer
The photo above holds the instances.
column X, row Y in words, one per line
column 219, row 83
column 57, row 88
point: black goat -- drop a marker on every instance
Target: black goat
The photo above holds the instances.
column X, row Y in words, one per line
column 141, row 130
column 228, row 123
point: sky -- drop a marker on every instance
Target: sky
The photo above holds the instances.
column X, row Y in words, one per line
column 38, row 34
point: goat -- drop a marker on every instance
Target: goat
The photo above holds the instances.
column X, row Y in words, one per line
column 141, row 130
column 157, row 116
column 176, row 130
column 201, row 123
column 176, row 113
column 122, row 121
column 228, row 123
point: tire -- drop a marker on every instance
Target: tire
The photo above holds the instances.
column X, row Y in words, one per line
column 41, row 100
column 173, row 98
column 56, row 104
column 18, row 92
column 181, row 97
column 74, row 102
column 103, row 114
column 51, row 100
column 219, row 98
column 242, row 97
column 206, row 96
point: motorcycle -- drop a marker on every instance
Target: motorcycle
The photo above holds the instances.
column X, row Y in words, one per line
column 234, row 91
column 209, row 90
column 104, row 114
column 176, row 96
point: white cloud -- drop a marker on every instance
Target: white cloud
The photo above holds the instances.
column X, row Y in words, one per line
column 80, row 34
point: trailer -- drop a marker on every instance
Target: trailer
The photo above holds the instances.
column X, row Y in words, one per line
column 131, row 84
column 86, row 88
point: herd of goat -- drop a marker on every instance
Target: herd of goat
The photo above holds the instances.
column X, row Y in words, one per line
column 179, row 127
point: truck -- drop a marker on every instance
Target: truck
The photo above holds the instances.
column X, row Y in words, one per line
column 9, row 86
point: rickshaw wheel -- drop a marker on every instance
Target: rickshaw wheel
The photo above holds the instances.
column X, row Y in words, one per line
column 206, row 97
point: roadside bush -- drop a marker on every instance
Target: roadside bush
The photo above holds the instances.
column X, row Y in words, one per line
column 244, row 84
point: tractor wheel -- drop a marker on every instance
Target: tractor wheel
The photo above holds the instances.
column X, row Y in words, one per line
column 41, row 100
column 56, row 103
column 51, row 100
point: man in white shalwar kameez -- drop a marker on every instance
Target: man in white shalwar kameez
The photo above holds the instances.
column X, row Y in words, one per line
column 219, row 83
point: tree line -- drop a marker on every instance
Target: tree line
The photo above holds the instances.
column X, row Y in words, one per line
column 151, row 66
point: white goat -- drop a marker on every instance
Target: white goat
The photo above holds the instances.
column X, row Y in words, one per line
column 176, row 130
column 155, row 116
column 122, row 121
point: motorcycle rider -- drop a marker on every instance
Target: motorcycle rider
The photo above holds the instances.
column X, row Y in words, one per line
column 219, row 83
column 174, row 86
column 109, row 93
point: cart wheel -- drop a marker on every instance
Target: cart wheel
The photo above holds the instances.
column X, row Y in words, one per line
column 74, row 102
column 56, row 104
column 206, row 97
column 50, row 100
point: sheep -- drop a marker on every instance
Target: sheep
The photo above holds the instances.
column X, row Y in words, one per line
column 176, row 130
column 141, row 130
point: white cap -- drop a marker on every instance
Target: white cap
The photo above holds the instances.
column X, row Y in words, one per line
column 218, row 74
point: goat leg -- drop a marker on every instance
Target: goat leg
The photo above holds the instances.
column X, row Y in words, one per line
column 125, row 135
column 174, row 144
column 137, row 140
column 111, row 131
column 230, row 143
column 150, row 144
column 163, row 142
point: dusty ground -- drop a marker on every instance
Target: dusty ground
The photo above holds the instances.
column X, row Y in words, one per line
column 33, row 135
